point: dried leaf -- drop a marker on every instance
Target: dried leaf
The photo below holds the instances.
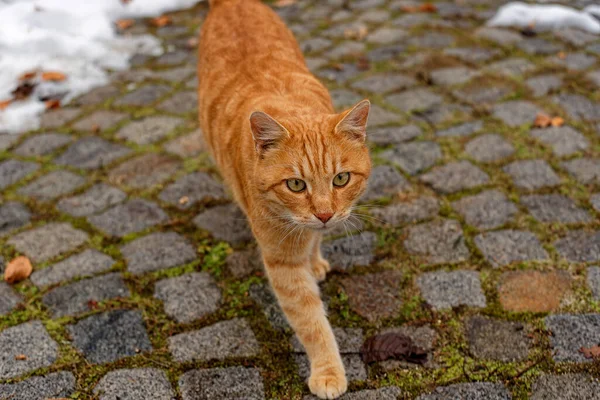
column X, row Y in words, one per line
column 95, row 128
column 562, row 55
column 52, row 104
column 428, row 7
column 284, row 3
column 410, row 9
column 184, row 200
column 23, row 91
column 392, row 345
column 590, row 352
column 18, row 269
column 4, row 104
column 542, row 121
column 27, row 76
column 161, row 21
column 359, row 33
column 53, row 76
column 20, row 357
column 363, row 64
column 557, row 121
column 123, row 24
column 92, row 304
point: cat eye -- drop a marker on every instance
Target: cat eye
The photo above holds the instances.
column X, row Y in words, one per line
column 296, row 185
column 341, row 179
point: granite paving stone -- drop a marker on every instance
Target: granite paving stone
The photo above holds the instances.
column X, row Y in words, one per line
column 226, row 222
column 584, row 170
column 157, row 251
column 42, row 144
column 455, row 176
column 374, row 296
column 503, row 37
column 375, row 16
column 343, row 98
column 595, row 201
column 30, row 339
column 98, row 95
column 225, row 339
column 350, row 251
column 443, row 290
column 515, row 113
column 564, row 140
column 410, row 211
column 538, row 46
column 189, row 145
column 110, row 336
column 99, row 121
column 414, row 157
column 94, row 200
column 578, row 107
column 572, row 332
column 189, row 297
column 508, row 246
column 474, row 55
column 542, row 85
column 347, row 49
column 379, row 116
column 414, row 99
column 574, row 61
column 385, row 393
column 488, row 148
column 180, row 103
column 58, row 118
column 244, row 262
column 315, row 45
column 482, row 94
column 532, row 174
column 487, row 210
column 222, row 384
column 7, row 140
column 92, row 153
column 340, row 74
column 51, row 386
column 437, row 242
column 471, row 391
column 135, row 384
column 149, row 130
column 387, row 36
column 493, row 339
column 579, row 246
column 574, row 36
column 452, row 76
column 594, row 77
column 85, row 264
column 393, row 134
column 385, row 53
column 130, row 217
column 384, row 181
column 593, row 281
column 355, row 368
column 48, row 241
column 12, row 171
column 13, row 215
column 432, row 40
column 385, row 83
column 9, row 299
column 466, row 129
column 533, row 291
column 555, row 208
column 191, row 189
column 566, row 387
column 145, row 95
column 263, row 295
column 76, row 298
column 511, row 67
column 176, row 74
column 144, row 171
column 52, row 185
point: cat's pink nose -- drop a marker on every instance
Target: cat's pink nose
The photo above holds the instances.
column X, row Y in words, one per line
column 324, row 217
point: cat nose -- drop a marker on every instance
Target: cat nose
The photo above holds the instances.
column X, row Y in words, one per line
column 324, row 217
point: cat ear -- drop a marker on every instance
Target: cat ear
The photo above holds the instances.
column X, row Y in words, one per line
column 265, row 130
column 354, row 122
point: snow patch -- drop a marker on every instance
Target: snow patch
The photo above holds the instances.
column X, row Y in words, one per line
column 547, row 17
column 75, row 37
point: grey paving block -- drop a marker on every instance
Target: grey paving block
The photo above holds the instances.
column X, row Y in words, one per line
column 575, row 37
column 76, row 298
column 385, row 83
column 55, row 385
column 455, row 176
column 508, row 246
column 482, row 94
column 189, row 297
column 473, row 55
column 225, row 339
column 144, row 171
column 264, row 296
column 489, row 148
column 470, row 391
column 595, row 201
column 384, row 181
column 31, row 340
column 511, row 68
column 135, row 384
column 244, row 262
column 574, row 61
column 564, row 140
column 92, row 153
column 343, row 98
column 222, row 384
column 42, row 144
column 355, row 368
column 532, row 174
column 12, row 171
column 189, row 145
column 466, row 129
column 48, row 241
column 385, row 393
column 94, row 200
column 57, row 118
column 347, row 252
column 452, row 76
column 566, row 387
column 157, row 251
column 414, row 99
column 7, row 140
column 414, row 210
column 579, row 246
column 538, row 46
column 13, row 215
column 149, row 130
column 52, row 185
column 361, row 288
column 87, row 263
column 393, row 134
column 515, row 113
column 98, row 95
column 145, row 95
column 380, row 116
column 542, row 85
column 555, row 208
column 226, row 222
column 192, row 189
column 593, row 281
column 99, row 120
column 572, row 332
column 493, row 339
column 132, row 216
column 487, row 210
column 181, row 102
column 443, row 290
column 584, row 170
column 349, row 340
column 432, row 40
column 578, row 107
column 8, row 298
column 413, row 157
column 387, row 35
column 110, row 336
column 437, row 242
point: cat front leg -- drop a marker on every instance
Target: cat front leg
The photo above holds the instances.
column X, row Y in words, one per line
column 298, row 295
column 319, row 266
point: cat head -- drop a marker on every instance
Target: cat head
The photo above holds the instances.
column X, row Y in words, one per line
column 311, row 170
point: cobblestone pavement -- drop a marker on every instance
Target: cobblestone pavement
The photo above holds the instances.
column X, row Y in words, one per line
column 483, row 246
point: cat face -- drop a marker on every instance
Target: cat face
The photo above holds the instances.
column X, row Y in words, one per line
column 312, row 170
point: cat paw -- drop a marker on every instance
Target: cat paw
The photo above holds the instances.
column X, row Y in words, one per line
column 320, row 268
column 329, row 385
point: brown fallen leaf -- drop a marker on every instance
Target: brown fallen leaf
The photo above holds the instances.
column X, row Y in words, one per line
column 4, row 104
column 358, row 33
column 27, row 76
column 123, row 24
column 284, row 3
column 23, row 91
column 409, row 9
column 557, row 121
column 363, row 64
column 92, row 304
column 54, row 76
column 542, row 121
column 52, row 104
column 20, row 357
column 562, row 55
column 428, row 7
column 95, row 128
column 590, row 352
column 163, row 20
column 184, row 200
column 392, row 345
column 18, row 269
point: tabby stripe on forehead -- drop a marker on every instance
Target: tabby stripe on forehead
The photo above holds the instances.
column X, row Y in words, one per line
column 323, row 152
column 309, row 157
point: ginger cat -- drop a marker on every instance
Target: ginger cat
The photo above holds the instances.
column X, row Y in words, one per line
column 295, row 167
